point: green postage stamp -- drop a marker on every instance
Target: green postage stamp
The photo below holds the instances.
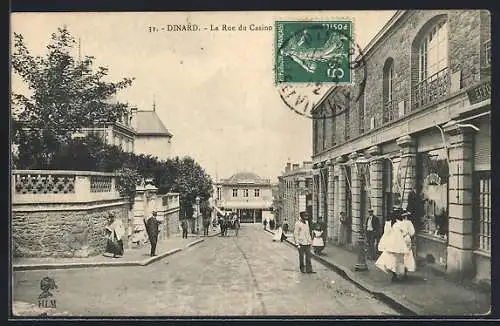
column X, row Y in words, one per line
column 313, row 52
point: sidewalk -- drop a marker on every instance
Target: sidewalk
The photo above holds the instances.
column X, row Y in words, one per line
column 424, row 293
column 131, row 257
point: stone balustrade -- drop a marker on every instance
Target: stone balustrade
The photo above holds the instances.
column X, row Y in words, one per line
column 52, row 186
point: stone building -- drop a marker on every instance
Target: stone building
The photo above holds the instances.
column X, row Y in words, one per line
column 246, row 194
column 421, row 126
column 295, row 192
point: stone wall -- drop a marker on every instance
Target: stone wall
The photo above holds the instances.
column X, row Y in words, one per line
column 63, row 233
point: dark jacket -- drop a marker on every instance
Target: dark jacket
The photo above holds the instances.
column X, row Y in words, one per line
column 152, row 227
column 375, row 223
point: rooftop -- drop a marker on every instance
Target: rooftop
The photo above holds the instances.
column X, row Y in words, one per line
column 148, row 123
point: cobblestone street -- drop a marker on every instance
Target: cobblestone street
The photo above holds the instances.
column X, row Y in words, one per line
column 248, row 275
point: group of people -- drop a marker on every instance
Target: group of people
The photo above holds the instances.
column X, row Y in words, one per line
column 395, row 243
column 115, row 234
column 228, row 221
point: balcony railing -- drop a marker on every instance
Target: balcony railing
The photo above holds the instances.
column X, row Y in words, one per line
column 390, row 111
column 487, row 53
column 431, row 89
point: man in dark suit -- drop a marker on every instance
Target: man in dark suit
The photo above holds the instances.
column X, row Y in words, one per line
column 372, row 233
column 152, row 228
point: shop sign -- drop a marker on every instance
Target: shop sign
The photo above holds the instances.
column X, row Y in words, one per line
column 479, row 93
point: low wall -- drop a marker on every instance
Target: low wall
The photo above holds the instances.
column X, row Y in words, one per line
column 65, row 232
column 63, row 213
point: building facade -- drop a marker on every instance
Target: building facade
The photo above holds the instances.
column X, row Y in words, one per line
column 152, row 137
column 246, row 194
column 415, row 134
column 121, row 133
column 295, row 192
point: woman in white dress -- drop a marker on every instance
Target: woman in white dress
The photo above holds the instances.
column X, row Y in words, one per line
column 393, row 247
column 277, row 234
column 408, row 232
column 317, row 242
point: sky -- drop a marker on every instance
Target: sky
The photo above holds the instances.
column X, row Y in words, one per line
column 213, row 90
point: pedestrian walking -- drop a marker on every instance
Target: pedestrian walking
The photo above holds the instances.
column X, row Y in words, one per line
column 184, row 227
column 153, row 229
column 265, row 224
column 115, row 231
column 302, row 239
column 372, row 234
column 272, row 224
column 345, row 225
column 408, row 231
column 393, row 247
column 317, row 241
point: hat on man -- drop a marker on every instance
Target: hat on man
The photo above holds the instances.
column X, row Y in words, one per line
column 370, row 210
column 303, row 214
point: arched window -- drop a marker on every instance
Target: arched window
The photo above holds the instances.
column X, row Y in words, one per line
column 430, row 62
column 389, row 103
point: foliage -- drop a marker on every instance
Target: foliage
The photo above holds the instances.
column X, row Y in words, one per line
column 126, row 183
column 66, row 95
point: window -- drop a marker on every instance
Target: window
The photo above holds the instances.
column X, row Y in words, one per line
column 362, row 114
column 432, row 53
column 219, row 194
column 346, row 128
column 432, row 207
column 235, row 192
column 389, row 113
column 245, row 193
column 483, row 210
column 257, row 192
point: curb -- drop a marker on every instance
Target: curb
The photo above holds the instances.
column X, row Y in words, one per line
column 406, row 308
column 144, row 262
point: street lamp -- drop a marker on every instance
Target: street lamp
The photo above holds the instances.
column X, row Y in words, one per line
column 362, row 165
column 197, row 212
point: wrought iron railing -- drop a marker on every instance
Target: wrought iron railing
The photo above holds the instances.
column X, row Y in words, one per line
column 487, row 53
column 390, row 111
column 432, row 89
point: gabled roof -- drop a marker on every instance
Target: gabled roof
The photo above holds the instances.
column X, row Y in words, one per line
column 245, row 178
column 147, row 123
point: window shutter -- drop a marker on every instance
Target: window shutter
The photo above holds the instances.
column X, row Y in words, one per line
column 482, row 148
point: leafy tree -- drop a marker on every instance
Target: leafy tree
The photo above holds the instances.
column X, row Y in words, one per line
column 190, row 181
column 66, row 95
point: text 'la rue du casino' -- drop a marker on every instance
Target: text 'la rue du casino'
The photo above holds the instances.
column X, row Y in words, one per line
column 211, row 28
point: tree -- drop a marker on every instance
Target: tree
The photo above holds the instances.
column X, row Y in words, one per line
column 190, row 180
column 66, row 95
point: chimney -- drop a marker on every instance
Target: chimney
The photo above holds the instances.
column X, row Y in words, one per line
column 287, row 169
column 295, row 167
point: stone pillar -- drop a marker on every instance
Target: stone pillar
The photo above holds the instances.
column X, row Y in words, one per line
column 321, row 194
column 340, row 204
column 408, row 166
column 376, row 183
column 315, row 194
column 460, row 227
column 356, row 200
column 330, row 216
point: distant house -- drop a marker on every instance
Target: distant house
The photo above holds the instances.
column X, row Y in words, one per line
column 151, row 135
column 247, row 195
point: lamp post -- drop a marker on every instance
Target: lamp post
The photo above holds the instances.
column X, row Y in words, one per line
column 197, row 214
column 361, row 165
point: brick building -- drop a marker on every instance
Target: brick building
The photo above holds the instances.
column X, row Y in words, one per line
column 421, row 127
column 295, row 192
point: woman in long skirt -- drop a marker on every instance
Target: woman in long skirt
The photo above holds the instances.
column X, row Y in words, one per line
column 408, row 233
column 115, row 232
column 393, row 248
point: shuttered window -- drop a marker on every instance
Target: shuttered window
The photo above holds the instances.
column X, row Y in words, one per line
column 483, row 210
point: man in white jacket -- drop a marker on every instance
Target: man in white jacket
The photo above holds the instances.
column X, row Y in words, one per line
column 303, row 240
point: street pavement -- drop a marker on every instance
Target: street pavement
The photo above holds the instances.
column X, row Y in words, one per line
column 249, row 275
